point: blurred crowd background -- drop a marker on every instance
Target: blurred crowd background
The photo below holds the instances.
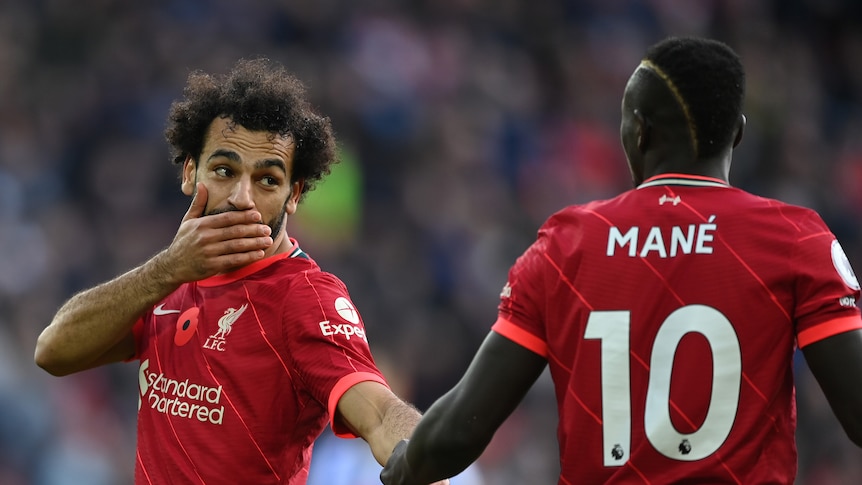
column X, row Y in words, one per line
column 462, row 125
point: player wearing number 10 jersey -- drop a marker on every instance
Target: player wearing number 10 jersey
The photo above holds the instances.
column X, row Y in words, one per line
column 668, row 315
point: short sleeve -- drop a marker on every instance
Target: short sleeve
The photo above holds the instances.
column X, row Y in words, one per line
column 520, row 315
column 827, row 290
column 326, row 341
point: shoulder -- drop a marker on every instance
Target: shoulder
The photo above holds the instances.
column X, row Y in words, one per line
column 573, row 219
column 297, row 276
column 801, row 219
column 309, row 280
column 299, row 268
column 565, row 231
column 306, row 272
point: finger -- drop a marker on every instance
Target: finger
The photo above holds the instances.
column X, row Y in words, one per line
column 199, row 202
column 233, row 218
column 214, row 229
column 244, row 231
column 232, row 261
column 237, row 246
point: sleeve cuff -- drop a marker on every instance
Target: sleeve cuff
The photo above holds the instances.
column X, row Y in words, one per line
column 520, row 336
column 338, row 390
column 828, row 329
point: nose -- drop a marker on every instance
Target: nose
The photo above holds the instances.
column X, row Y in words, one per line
column 241, row 195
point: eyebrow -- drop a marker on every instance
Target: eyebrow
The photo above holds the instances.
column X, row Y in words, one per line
column 234, row 157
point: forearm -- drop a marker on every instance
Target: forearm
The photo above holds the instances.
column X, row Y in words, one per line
column 374, row 413
column 441, row 446
column 90, row 323
column 458, row 427
column 445, row 443
column 397, row 423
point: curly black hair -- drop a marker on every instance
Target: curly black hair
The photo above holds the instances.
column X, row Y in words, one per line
column 711, row 81
column 259, row 95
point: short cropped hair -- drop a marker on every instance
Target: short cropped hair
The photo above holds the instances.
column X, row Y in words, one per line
column 259, row 95
column 710, row 79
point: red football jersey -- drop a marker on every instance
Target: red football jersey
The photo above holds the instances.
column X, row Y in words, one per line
column 240, row 373
column 669, row 316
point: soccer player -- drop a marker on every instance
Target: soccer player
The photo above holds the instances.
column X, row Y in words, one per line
column 668, row 315
column 247, row 349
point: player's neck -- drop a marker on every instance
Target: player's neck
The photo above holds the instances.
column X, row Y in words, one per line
column 280, row 244
column 718, row 168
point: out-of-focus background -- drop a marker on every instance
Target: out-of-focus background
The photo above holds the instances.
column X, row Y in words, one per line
column 463, row 124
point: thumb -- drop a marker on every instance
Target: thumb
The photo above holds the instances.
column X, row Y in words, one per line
column 199, row 202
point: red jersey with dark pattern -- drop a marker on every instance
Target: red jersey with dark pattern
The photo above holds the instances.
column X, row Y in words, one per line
column 669, row 316
column 241, row 372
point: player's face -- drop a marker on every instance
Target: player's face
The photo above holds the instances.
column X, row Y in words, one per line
column 245, row 170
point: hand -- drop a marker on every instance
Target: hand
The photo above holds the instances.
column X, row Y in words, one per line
column 207, row 245
column 397, row 470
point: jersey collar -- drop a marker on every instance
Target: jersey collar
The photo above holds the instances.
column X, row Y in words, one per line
column 683, row 179
column 225, row 278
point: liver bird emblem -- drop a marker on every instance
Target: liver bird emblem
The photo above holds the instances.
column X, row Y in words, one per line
column 225, row 323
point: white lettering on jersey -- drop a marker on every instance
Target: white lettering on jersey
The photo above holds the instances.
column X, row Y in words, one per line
column 328, row 329
column 183, row 399
column 691, row 239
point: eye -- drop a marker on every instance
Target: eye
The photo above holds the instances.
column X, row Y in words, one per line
column 269, row 181
column 222, row 171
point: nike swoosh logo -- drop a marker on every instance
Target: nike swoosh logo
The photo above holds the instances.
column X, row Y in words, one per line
column 160, row 310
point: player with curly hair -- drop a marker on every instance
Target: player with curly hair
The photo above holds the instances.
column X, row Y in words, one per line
column 247, row 349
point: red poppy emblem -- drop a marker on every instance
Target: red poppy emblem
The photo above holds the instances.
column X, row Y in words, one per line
column 187, row 323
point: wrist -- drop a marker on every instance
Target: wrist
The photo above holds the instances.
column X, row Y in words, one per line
column 160, row 272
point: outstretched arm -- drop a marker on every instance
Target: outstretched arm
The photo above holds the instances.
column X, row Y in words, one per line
column 381, row 418
column 94, row 327
column 373, row 412
column 836, row 363
column 456, row 429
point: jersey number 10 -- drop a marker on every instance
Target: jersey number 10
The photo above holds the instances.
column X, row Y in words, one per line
column 612, row 328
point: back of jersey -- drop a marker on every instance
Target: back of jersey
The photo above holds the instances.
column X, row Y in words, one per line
column 669, row 316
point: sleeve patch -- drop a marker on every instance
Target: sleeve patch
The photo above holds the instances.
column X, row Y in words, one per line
column 842, row 265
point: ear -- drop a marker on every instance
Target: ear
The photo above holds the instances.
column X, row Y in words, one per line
column 293, row 198
column 189, row 176
column 643, row 131
column 739, row 130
